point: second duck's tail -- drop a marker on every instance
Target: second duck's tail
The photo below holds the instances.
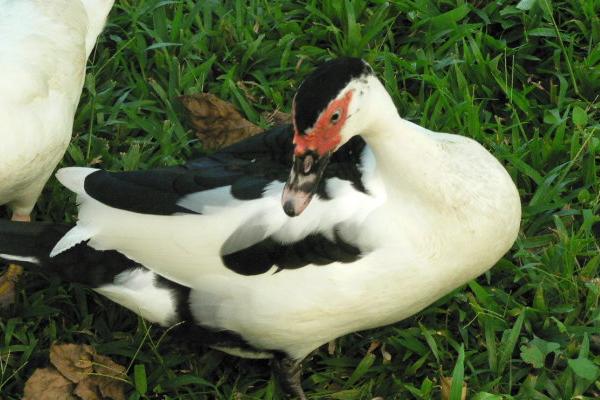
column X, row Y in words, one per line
column 108, row 272
column 29, row 242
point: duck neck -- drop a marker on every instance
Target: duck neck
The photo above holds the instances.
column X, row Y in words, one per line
column 407, row 155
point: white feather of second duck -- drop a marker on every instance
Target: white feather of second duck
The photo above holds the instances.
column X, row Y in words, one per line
column 448, row 211
column 44, row 45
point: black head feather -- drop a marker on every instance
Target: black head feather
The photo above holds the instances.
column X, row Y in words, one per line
column 324, row 85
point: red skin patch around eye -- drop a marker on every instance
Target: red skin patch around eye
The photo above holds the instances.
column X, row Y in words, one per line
column 325, row 135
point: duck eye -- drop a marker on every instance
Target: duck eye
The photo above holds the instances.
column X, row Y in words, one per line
column 335, row 117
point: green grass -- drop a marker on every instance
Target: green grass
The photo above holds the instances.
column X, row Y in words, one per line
column 521, row 77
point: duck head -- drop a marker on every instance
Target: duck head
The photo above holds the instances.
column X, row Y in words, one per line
column 329, row 108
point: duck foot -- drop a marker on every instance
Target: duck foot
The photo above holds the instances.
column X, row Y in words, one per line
column 288, row 373
column 7, row 284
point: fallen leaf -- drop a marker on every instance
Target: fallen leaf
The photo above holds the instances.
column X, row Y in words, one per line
column 97, row 387
column 245, row 88
column 111, row 377
column 8, row 281
column 277, row 117
column 107, row 382
column 217, row 123
column 97, row 377
column 95, row 160
column 447, row 385
column 74, row 361
column 87, row 389
column 375, row 344
column 7, row 293
column 48, row 384
column 105, row 366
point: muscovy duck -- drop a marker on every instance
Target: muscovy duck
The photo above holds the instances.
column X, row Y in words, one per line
column 363, row 235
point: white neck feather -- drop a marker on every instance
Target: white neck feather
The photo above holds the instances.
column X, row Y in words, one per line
column 444, row 191
column 406, row 153
column 97, row 11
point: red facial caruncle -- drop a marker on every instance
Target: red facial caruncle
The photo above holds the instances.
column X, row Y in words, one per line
column 324, row 136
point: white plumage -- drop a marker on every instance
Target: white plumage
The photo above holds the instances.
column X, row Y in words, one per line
column 398, row 224
column 44, row 45
column 445, row 212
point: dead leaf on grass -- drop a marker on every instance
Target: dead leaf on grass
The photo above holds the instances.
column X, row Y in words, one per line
column 217, row 123
column 74, row 361
column 110, row 377
column 105, row 366
column 79, row 373
column 8, row 281
column 107, row 381
column 375, row 344
column 277, row 117
column 99, row 388
column 87, row 390
column 48, row 384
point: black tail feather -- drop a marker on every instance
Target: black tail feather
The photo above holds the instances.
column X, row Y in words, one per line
column 83, row 264
column 29, row 239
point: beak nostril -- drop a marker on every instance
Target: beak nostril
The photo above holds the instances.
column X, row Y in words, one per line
column 308, row 163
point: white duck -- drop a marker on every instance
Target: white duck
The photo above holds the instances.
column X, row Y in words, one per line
column 44, row 45
column 392, row 226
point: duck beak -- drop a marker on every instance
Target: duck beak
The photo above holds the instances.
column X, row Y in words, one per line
column 303, row 182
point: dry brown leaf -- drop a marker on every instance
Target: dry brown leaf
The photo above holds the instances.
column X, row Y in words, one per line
column 105, row 366
column 7, row 293
column 95, row 160
column 111, row 377
column 277, row 117
column 97, row 377
column 373, row 346
column 217, row 123
column 87, row 389
column 48, row 384
column 74, row 361
column 447, row 385
column 8, row 281
column 244, row 86
column 111, row 388
column 96, row 387
column 107, row 382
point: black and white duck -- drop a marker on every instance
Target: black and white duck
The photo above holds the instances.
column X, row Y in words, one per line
column 272, row 264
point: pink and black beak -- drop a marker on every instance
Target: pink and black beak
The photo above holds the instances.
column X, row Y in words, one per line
column 303, row 182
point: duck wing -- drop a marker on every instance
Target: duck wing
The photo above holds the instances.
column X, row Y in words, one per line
column 222, row 212
column 240, row 172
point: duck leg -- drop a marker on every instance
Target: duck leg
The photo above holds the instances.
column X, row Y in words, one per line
column 288, row 373
column 9, row 279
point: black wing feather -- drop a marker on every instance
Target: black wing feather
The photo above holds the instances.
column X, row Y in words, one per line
column 247, row 166
column 314, row 249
